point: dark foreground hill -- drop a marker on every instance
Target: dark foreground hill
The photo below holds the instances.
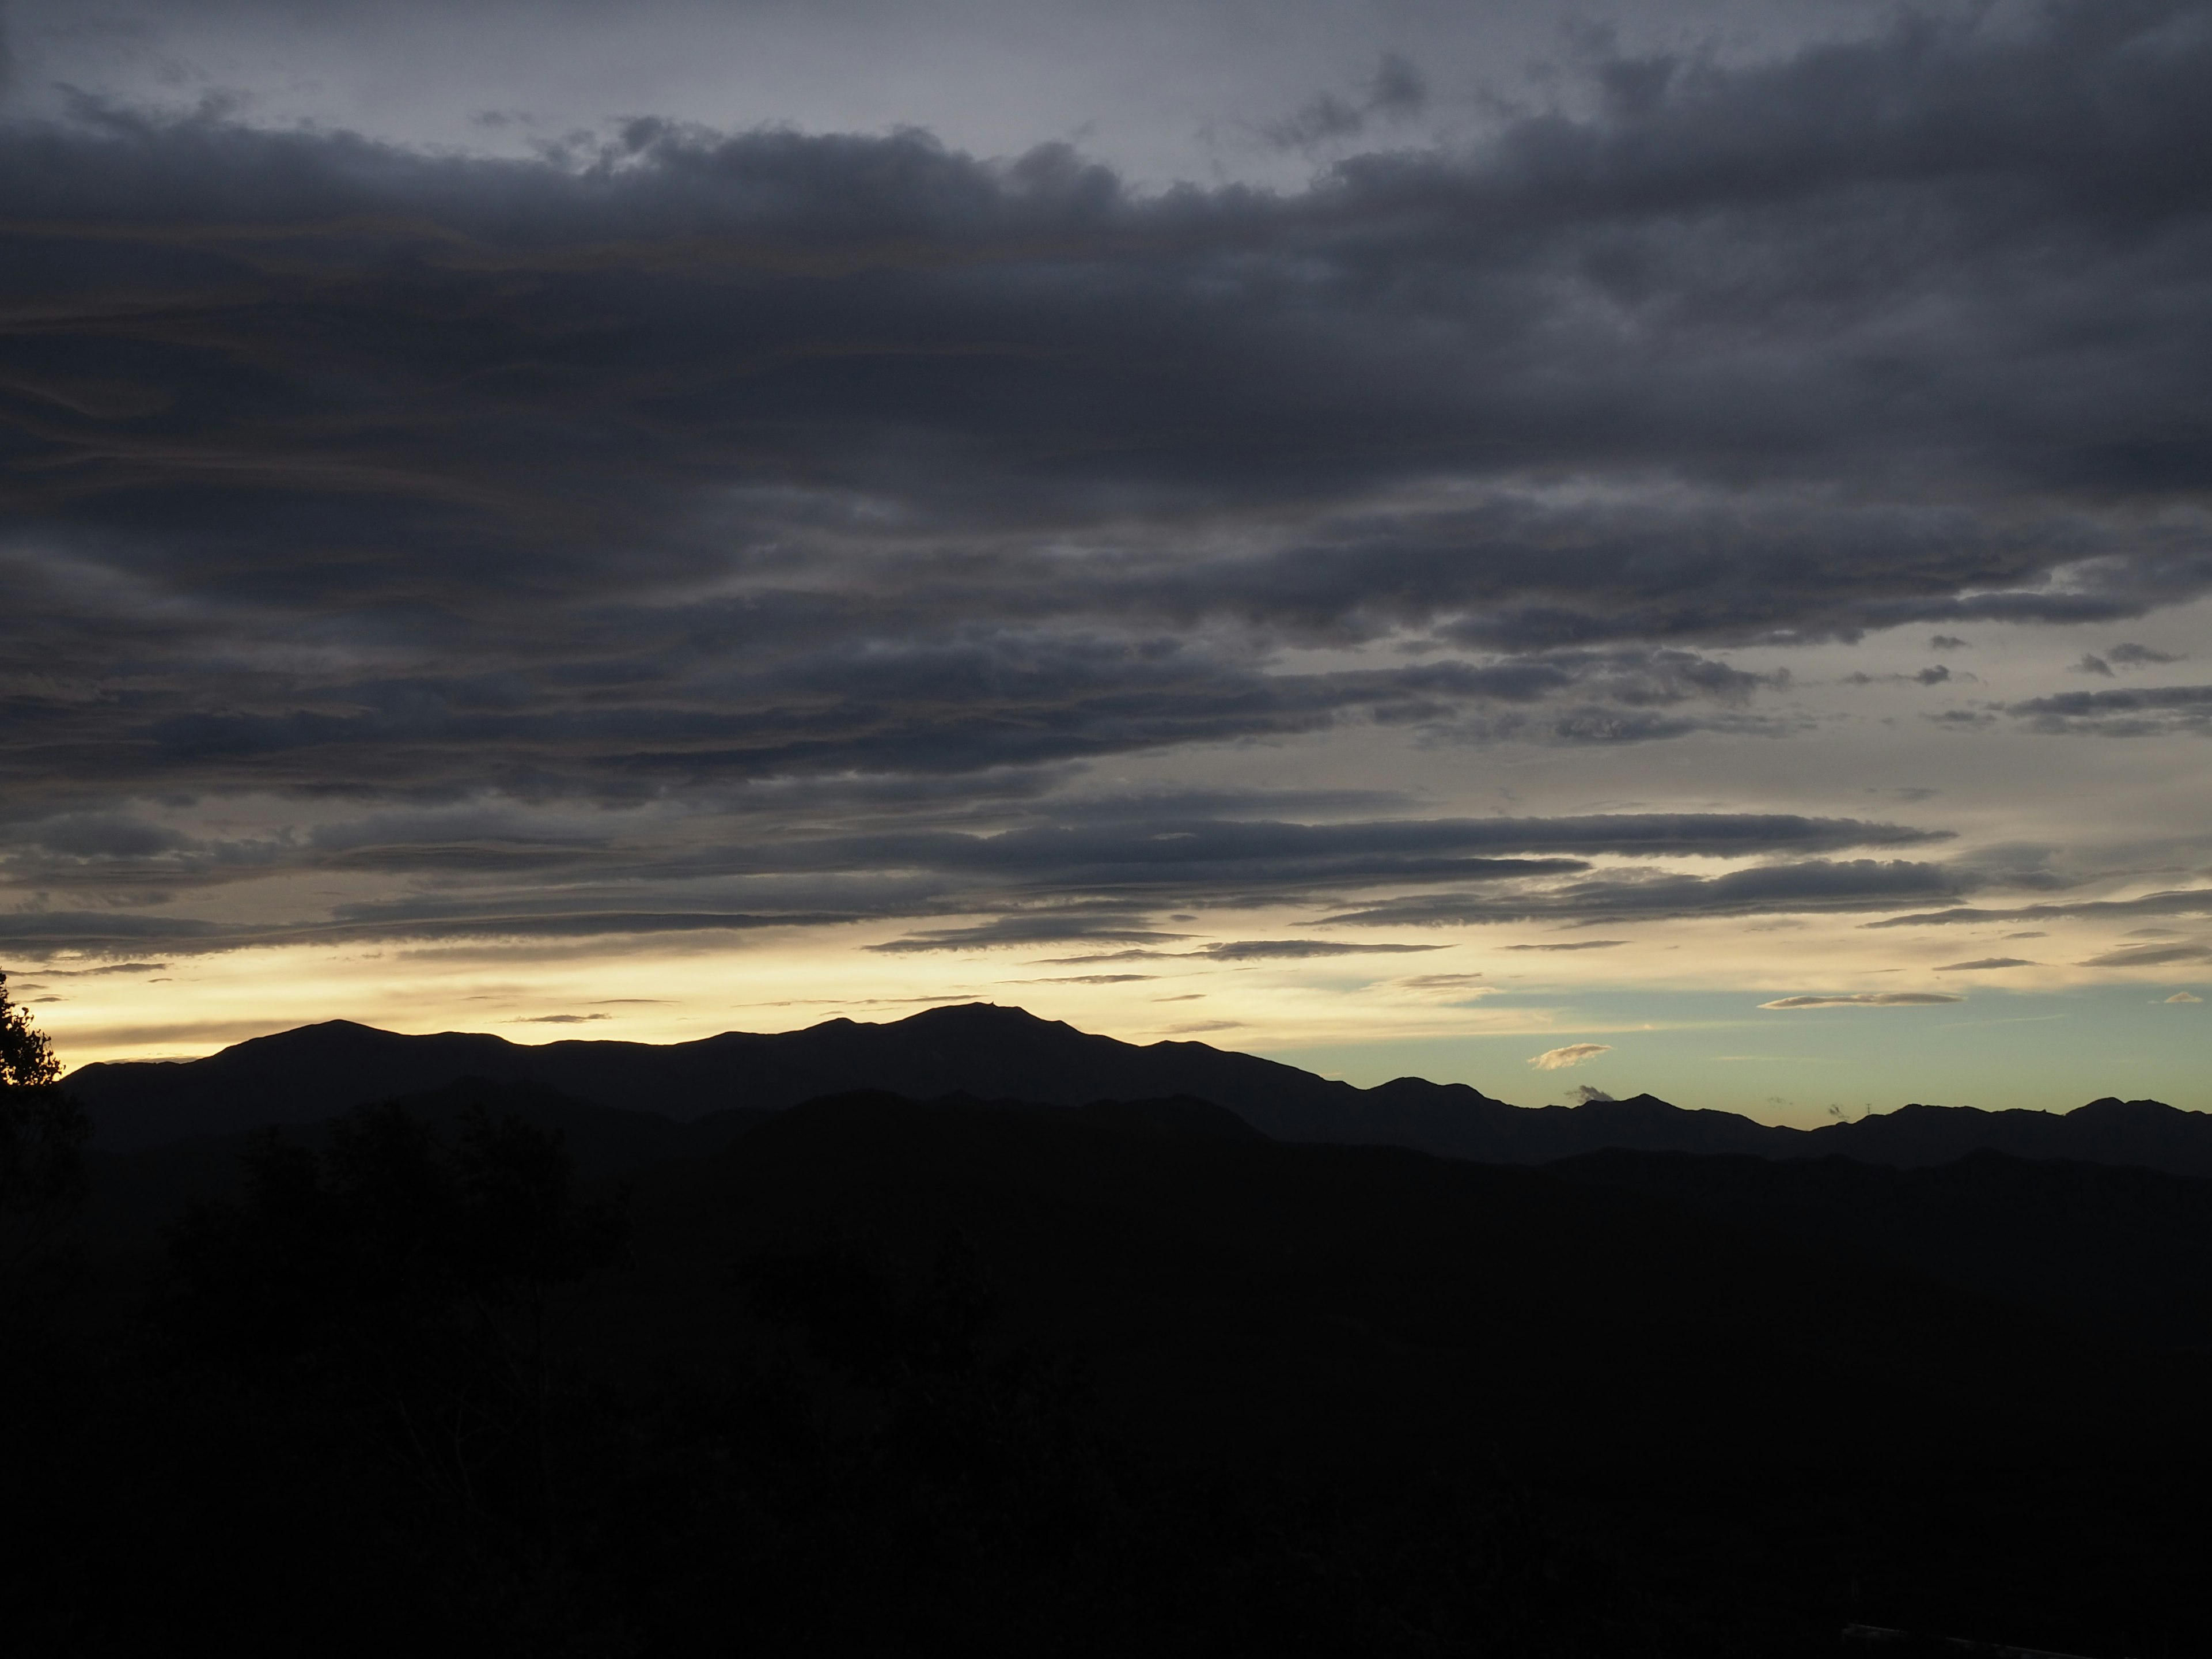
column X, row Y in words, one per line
column 985, row 1378
column 2114, row 1251
column 134, row 1192
column 2124, row 1254
column 992, row 1053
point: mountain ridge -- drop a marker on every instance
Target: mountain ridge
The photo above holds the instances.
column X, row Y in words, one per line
column 994, row 1052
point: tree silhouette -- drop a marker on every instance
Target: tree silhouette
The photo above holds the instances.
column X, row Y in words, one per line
column 42, row 1133
column 409, row 1279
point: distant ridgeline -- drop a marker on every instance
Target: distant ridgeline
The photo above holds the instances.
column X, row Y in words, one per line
column 990, row 1053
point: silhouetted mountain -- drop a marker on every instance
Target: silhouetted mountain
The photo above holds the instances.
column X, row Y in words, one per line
column 978, row 1049
column 1454, row 1121
column 2148, row 1134
column 989, row 1052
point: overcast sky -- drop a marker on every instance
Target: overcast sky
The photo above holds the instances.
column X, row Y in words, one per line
column 1402, row 537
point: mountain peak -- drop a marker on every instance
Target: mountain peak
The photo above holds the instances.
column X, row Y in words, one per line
column 997, row 1014
column 2111, row 1107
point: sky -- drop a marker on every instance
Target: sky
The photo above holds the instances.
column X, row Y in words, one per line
column 1562, row 549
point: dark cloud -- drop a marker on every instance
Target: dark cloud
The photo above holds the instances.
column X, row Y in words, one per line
column 1027, row 929
column 1086, row 875
column 1157, row 854
column 1088, row 979
column 2150, row 956
column 42, row 930
column 2124, row 655
column 786, row 522
column 1577, row 945
column 1936, row 676
column 2185, row 902
column 1274, row 950
column 107, row 969
column 1982, row 963
column 1781, row 888
column 45, row 932
column 1104, row 955
column 1396, row 91
column 2130, row 711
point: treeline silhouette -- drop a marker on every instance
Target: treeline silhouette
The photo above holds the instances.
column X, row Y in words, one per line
column 872, row 1375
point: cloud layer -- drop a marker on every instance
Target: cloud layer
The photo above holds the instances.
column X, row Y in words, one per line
column 684, row 530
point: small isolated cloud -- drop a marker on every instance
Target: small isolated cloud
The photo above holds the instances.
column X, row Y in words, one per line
column 1557, row 1060
column 1258, row 950
column 2138, row 656
column 1938, row 675
column 2150, row 956
column 2093, row 665
column 1985, row 962
column 1946, row 642
column 1397, row 92
column 1441, row 982
column 2032, row 934
column 2184, row 996
column 1206, row 1025
column 1867, row 999
column 557, row 1019
column 1578, row 945
column 1586, row 1093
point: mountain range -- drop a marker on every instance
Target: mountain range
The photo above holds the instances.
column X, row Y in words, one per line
column 898, row 1306
column 984, row 1051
